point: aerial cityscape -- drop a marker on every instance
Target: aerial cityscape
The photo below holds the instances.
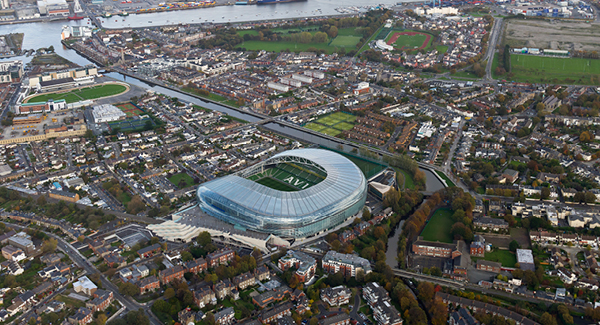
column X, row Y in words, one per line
column 300, row 162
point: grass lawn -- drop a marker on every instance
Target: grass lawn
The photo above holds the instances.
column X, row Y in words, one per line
column 70, row 301
column 507, row 258
column 467, row 73
column 441, row 49
column 82, row 94
column 538, row 69
column 438, row 227
column 175, row 179
column 444, row 177
column 408, row 179
column 124, row 198
column 345, row 41
column 495, row 64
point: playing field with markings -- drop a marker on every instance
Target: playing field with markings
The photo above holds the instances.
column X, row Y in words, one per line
column 289, row 177
column 333, row 124
column 408, row 40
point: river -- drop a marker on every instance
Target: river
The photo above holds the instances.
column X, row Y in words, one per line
column 45, row 34
column 232, row 14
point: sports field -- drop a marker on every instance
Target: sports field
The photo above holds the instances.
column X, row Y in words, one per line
column 80, row 94
column 130, row 109
column 289, row 177
column 438, row 227
column 132, row 125
column 408, row 40
column 534, row 69
column 333, row 124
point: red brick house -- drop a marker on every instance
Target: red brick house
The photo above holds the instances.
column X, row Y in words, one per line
column 150, row 283
column 196, row 266
column 171, row 274
column 221, row 256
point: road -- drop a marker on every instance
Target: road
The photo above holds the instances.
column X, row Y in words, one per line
column 492, row 42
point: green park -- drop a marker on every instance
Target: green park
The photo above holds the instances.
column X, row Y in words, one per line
column 346, row 38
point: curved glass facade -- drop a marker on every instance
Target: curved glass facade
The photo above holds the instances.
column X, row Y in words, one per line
column 298, row 214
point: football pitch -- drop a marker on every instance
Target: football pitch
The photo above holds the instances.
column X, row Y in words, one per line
column 275, row 184
column 533, row 69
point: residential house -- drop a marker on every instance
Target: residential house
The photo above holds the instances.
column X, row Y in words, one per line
column 171, row 274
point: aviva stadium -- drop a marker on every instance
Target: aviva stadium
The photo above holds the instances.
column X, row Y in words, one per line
column 294, row 194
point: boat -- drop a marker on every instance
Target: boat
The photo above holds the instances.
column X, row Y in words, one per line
column 107, row 15
column 75, row 17
column 268, row 2
column 124, row 14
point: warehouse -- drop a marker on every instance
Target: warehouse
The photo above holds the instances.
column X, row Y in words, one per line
column 107, row 113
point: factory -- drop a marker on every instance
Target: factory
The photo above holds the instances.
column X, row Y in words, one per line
column 53, row 7
column 107, row 113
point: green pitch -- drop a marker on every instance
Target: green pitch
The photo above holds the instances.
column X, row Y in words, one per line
column 438, row 227
column 77, row 95
column 275, row 184
column 529, row 68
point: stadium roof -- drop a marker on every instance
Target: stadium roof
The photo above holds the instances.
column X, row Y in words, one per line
column 342, row 181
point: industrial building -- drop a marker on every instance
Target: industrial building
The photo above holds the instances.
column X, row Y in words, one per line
column 107, row 113
column 53, row 7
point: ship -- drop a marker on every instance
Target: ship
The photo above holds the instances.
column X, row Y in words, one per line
column 124, row 14
column 268, row 2
column 245, row 2
column 75, row 17
column 107, row 15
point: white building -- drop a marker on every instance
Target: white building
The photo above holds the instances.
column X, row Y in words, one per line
column 84, row 285
column 107, row 113
column 525, row 259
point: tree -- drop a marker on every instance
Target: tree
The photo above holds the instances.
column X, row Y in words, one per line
column 319, row 37
column 332, row 32
column 10, row 281
column 589, row 197
column 545, row 193
column 305, row 37
column 513, row 246
column 186, row 256
column 547, row 319
column 128, row 289
column 204, row 238
column 169, row 293
column 101, row 320
column 136, row 205
column 540, row 107
column 49, row 245
column 426, row 291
